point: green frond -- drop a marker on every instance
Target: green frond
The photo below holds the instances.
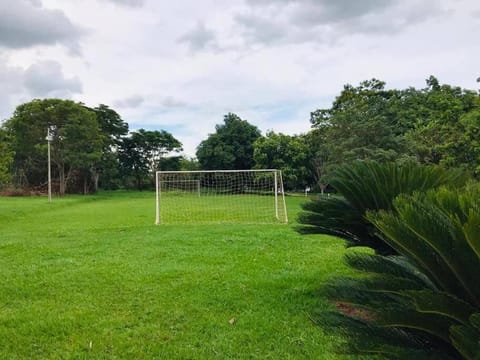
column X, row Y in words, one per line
column 433, row 324
column 443, row 304
column 369, row 186
column 357, row 293
column 440, row 231
column 466, row 339
column 393, row 343
column 397, row 266
column 475, row 320
column 401, row 238
column 471, row 230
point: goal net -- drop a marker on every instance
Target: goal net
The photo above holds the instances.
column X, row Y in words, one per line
column 220, row 196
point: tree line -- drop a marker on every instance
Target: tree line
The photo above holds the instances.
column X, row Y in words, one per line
column 438, row 124
column 92, row 148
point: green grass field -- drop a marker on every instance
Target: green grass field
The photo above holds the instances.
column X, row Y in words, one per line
column 92, row 277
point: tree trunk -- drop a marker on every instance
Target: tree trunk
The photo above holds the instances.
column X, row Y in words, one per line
column 139, row 183
column 96, row 177
column 85, row 185
column 61, row 178
column 323, row 187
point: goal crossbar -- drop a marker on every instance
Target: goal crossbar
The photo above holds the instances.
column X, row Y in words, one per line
column 215, row 171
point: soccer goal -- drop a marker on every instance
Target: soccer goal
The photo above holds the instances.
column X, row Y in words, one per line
column 220, row 196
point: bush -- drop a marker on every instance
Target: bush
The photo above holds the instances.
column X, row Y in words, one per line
column 424, row 303
column 366, row 186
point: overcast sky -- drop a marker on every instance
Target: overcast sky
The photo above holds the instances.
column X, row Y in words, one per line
column 181, row 65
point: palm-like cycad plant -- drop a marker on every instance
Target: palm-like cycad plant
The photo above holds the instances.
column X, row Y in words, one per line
column 365, row 186
column 428, row 299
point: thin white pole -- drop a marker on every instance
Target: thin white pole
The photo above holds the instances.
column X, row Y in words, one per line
column 49, row 175
column 283, row 197
column 276, row 194
column 157, row 200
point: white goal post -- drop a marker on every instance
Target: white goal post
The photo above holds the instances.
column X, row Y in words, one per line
column 220, row 196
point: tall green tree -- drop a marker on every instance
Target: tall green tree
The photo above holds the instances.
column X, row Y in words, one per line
column 359, row 124
column 6, row 158
column 230, row 147
column 189, row 164
column 76, row 144
column 434, row 125
column 112, row 128
column 143, row 151
column 287, row 153
column 322, row 158
column 446, row 129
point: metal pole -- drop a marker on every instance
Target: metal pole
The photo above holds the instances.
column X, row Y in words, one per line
column 157, row 201
column 283, row 197
column 49, row 175
column 276, row 194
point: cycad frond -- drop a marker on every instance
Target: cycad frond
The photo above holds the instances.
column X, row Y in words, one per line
column 471, row 230
column 427, row 228
column 364, row 186
column 397, row 266
column 475, row 320
column 402, row 239
column 467, row 340
column 391, row 343
column 427, row 301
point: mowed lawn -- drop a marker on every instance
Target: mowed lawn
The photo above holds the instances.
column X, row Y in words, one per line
column 92, row 277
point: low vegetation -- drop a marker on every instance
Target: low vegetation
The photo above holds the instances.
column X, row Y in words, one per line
column 367, row 186
column 422, row 300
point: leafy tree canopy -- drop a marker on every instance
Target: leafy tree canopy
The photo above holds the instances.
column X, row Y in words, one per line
column 359, row 124
column 76, row 143
column 446, row 130
column 437, row 124
column 111, row 124
column 230, row 147
column 287, row 153
column 6, row 158
column 143, row 151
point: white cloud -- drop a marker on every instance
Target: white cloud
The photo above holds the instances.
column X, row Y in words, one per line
column 26, row 23
column 199, row 38
column 181, row 66
column 11, row 80
column 271, row 22
column 129, row 102
column 171, row 102
column 46, row 79
column 129, row 3
column 40, row 80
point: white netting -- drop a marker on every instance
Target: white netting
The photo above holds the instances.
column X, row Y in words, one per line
column 249, row 196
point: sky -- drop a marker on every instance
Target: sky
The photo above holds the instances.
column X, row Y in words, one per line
column 182, row 65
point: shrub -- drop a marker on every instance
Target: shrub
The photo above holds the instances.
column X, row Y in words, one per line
column 425, row 302
column 369, row 186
